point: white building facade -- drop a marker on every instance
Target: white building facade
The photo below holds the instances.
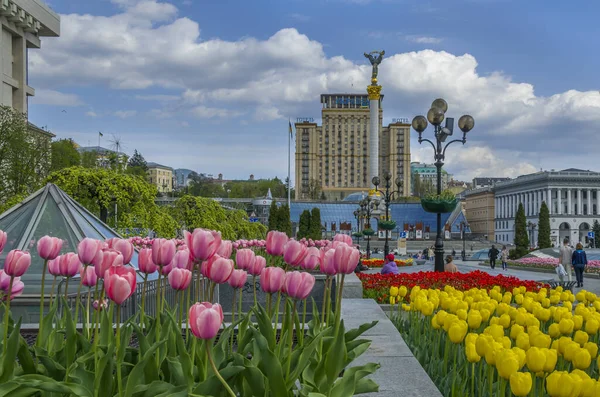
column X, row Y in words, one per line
column 572, row 196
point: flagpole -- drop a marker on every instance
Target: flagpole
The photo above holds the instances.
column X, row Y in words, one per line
column 289, row 167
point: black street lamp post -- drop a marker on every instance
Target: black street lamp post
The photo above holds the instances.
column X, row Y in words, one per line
column 436, row 116
column 463, row 231
column 358, row 216
column 367, row 205
column 387, row 198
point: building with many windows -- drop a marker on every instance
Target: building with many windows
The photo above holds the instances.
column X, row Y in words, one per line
column 161, row 176
column 428, row 174
column 487, row 182
column 332, row 160
column 479, row 210
column 572, row 196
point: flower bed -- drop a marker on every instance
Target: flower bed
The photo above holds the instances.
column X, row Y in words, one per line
column 377, row 286
column 380, row 262
column 483, row 342
column 550, row 264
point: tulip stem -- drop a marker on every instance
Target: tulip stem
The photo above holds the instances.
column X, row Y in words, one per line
column 143, row 312
column 52, row 291
column 502, row 387
column 454, row 376
column 473, row 379
column 254, row 288
column 217, row 374
column 213, row 285
column 338, row 304
column 180, row 318
column 269, row 307
column 326, row 297
column 277, row 305
column 119, row 380
column 301, row 334
column 240, row 305
column 41, row 325
column 491, row 379
column 187, row 320
column 233, row 317
column 290, row 339
column 87, row 313
column 79, row 295
column 67, row 291
column 157, row 312
column 5, row 345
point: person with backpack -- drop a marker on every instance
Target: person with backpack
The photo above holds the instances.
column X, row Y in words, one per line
column 579, row 261
column 493, row 255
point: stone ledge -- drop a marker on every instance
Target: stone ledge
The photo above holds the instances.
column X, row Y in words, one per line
column 352, row 287
column 400, row 373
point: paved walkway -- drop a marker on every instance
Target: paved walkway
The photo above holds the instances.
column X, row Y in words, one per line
column 590, row 284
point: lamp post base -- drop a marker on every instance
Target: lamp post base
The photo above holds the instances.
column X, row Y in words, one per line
column 439, row 246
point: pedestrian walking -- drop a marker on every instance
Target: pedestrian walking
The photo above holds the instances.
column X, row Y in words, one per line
column 493, row 255
column 430, row 252
column 579, row 261
column 566, row 258
column 504, row 257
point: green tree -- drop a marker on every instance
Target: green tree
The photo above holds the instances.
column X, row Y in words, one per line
column 521, row 238
column 64, row 155
column 274, row 222
column 89, row 159
column 286, row 222
column 137, row 164
column 315, row 224
column 544, row 227
column 202, row 186
column 596, row 230
column 304, row 225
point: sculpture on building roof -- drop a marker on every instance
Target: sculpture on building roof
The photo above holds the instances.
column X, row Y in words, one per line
column 375, row 61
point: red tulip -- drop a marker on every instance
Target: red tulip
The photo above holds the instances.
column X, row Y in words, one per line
column 69, row 264
column 344, row 238
column 238, row 278
column 203, row 244
column 119, row 283
column 54, row 267
column 48, row 247
column 271, row 279
column 311, row 259
column 205, row 319
column 163, row 251
column 257, row 267
column 179, row 279
column 275, row 242
column 125, row 248
column 346, row 258
column 88, row 276
column 87, row 250
column 3, row 238
column 17, row 262
column 298, row 285
column 294, row 252
column 145, row 263
column 110, row 258
column 225, row 249
column 327, row 262
column 218, row 269
column 244, row 258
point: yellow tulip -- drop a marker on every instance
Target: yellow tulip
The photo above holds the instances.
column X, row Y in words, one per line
column 474, row 319
column 568, row 306
column 496, row 331
column 581, row 338
column 570, row 350
column 520, row 383
column 441, row 316
column 523, row 341
column 427, row 309
column 405, row 307
column 540, row 340
column 434, row 323
column 592, row 348
column 582, row 359
column 505, row 342
column 485, row 314
column 521, row 356
column 507, row 363
column 504, row 321
column 588, row 388
column 564, row 296
column 490, row 354
column 535, row 359
column 519, row 299
column 471, row 338
column 457, row 331
column 554, row 330
column 579, row 374
column 392, row 300
column 483, row 344
column 551, row 359
column 515, row 330
column 471, row 352
column 402, row 291
column 462, row 314
column 560, row 383
column 580, row 296
column 394, row 291
column 577, row 322
column 591, row 326
column 566, row 326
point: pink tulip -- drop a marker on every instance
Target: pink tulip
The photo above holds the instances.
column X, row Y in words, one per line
column 163, row 251
column 48, row 247
column 271, row 279
column 17, row 262
column 111, row 242
column 17, row 286
column 218, row 269
column 294, row 252
column 298, row 285
column 3, row 238
column 145, row 263
column 119, row 283
column 346, row 258
column 180, row 279
column 100, row 306
column 88, row 276
column 225, row 249
column 257, row 267
column 125, row 248
column 69, row 264
column 238, row 278
column 275, row 242
column 327, row 262
column 110, row 258
column 244, row 258
column 203, row 244
column 87, row 250
column 311, row 259
column 165, row 270
column 4, row 281
column 344, row 238
column 182, row 260
column 54, row 267
column 99, row 258
column 205, row 319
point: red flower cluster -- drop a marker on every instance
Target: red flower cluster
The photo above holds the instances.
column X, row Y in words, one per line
column 377, row 286
column 380, row 262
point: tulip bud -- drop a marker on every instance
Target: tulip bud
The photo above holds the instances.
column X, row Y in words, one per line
column 87, row 250
column 299, row 285
column 312, row 259
column 225, row 249
column 218, row 269
column 69, row 264
column 344, row 238
column 49, row 247
column 238, row 278
column 203, row 244
column 244, row 258
column 145, row 264
column 17, row 262
column 125, row 248
column 205, row 319
column 272, row 279
column 163, row 251
column 119, row 283
column 88, row 276
column 294, row 252
column 275, row 242
column 180, row 279
column 3, row 238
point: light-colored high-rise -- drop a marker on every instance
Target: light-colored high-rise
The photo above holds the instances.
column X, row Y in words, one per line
column 23, row 23
column 333, row 160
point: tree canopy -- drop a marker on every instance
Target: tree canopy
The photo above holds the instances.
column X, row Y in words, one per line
column 521, row 238
column 137, row 164
column 64, row 155
column 544, row 240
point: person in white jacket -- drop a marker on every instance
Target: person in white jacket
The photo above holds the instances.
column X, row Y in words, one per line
column 566, row 255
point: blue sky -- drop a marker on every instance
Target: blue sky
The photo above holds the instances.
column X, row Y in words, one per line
column 209, row 85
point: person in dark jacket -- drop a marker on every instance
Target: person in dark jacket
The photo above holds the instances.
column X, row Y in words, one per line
column 579, row 261
column 493, row 255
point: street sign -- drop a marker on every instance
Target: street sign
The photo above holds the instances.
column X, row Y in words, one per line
column 253, row 220
column 403, row 234
column 591, row 235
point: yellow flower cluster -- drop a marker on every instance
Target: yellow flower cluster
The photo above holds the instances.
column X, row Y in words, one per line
column 520, row 334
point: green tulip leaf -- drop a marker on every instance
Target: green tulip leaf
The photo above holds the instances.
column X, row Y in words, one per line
column 269, row 365
column 136, row 375
column 265, row 325
column 47, row 326
column 104, row 379
column 25, row 359
column 213, row 383
column 355, row 333
column 10, row 353
column 15, row 389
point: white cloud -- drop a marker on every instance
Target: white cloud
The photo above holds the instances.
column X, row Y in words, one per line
column 204, row 112
column 56, row 98
column 123, row 114
column 158, row 97
column 91, row 114
column 424, row 39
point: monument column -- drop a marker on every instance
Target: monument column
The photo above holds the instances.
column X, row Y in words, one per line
column 549, row 200
column 374, row 91
column 569, row 207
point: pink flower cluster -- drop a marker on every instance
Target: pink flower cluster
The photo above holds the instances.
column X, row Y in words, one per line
column 551, row 261
column 146, row 242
